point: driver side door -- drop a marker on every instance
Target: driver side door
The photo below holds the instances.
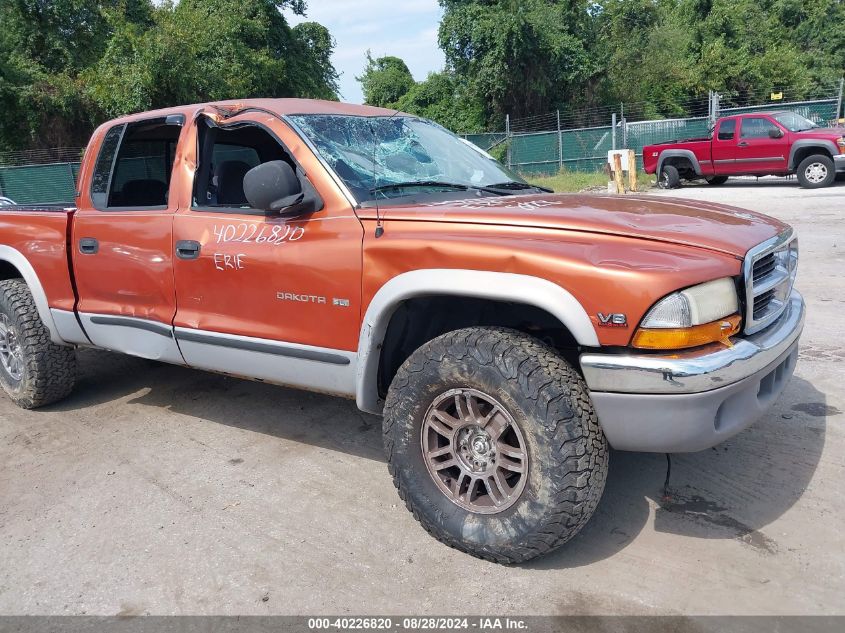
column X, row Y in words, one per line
column 258, row 294
column 757, row 151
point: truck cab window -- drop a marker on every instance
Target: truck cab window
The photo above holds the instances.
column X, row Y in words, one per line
column 138, row 177
column 756, row 127
column 226, row 155
column 727, row 129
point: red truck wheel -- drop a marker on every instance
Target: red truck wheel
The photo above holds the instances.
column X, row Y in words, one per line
column 493, row 444
column 669, row 177
column 34, row 371
column 816, row 171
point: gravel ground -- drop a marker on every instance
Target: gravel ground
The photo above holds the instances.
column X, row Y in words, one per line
column 157, row 489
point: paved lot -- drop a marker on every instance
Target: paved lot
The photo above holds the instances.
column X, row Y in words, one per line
column 156, row 489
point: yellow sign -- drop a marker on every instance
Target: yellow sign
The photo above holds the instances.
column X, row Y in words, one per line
column 776, row 96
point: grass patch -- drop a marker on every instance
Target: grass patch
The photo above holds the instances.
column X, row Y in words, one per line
column 574, row 181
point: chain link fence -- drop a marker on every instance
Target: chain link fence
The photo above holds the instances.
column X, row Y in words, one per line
column 547, row 144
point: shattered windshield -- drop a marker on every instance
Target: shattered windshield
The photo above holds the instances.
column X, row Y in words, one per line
column 391, row 157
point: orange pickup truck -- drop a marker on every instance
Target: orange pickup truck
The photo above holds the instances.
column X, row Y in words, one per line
column 507, row 335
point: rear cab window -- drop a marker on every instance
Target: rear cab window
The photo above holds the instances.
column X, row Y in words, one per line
column 135, row 163
column 727, row 130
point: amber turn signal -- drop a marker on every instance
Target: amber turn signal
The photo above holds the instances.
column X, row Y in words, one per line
column 680, row 338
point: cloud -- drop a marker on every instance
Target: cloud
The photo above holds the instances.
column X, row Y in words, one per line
column 404, row 28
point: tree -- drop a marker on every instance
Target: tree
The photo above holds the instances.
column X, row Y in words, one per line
column 519, row 57
column 441, row 99
column 385, row 80
column 66, row 65
column 201, row 50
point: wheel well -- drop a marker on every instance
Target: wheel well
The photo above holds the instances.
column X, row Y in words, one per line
column 682, row 164
column 421, row 319
column 805, row 152
column 9, row 271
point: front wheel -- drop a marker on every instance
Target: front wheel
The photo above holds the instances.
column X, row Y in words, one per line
column 493, row 444
column 816, row 171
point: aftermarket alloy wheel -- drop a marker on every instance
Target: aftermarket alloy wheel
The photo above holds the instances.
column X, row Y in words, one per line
column 34, row 371
column 816, row 171
column 474, row 451
column 493, row 444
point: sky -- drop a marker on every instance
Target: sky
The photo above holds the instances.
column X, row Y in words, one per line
column 403, row 28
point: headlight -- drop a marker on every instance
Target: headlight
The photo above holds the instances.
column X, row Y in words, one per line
column 688, row 318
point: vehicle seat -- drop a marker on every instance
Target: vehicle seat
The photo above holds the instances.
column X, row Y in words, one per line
column 143, row 193
column 230, row 182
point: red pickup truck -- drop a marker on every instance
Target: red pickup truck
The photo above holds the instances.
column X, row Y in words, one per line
column 759, row 144
column 507, row 335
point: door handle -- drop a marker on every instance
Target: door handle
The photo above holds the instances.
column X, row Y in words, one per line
column 187, row 249
column 88, row 246
column 743, row 144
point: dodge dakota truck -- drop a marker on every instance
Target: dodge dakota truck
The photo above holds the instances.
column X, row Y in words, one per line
column 759, row 144
column 507, row 335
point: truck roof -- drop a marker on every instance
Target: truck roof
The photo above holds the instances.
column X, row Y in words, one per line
column 279, row 106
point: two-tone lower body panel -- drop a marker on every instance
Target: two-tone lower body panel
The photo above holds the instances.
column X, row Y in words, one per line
column 693, row 400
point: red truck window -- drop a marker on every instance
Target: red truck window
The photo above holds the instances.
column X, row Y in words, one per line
column 756, row 127
column 727, row 129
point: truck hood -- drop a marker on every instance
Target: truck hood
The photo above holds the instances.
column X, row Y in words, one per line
column 831, row 133
column 699, row 224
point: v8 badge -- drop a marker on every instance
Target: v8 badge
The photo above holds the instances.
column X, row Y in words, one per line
column 613, row 319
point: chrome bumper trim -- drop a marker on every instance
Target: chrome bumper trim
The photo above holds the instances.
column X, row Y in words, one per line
column 698, row 370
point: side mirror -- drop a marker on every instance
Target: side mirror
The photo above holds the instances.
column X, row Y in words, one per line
column 775, row 132
column 273, row 187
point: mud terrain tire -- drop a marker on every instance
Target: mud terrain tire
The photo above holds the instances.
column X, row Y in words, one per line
column 546, row 399
column 34, row 371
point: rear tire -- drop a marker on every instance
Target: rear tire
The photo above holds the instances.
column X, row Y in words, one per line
column 34, row 371
column 816, row 171
column 669, row 178
column 460, row 412
column 717, row 180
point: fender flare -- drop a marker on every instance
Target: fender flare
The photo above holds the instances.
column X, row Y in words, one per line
column 530, row 290
column 19, row 261
column 820, row 143
column 679, row 153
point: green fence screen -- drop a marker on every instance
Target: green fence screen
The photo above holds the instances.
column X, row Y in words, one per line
column 36, row 184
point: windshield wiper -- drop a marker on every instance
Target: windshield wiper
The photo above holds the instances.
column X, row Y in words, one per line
column 514, row 185
column 420, row 183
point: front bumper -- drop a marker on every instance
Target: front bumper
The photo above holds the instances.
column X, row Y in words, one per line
column 839, row 163
column 693, row 400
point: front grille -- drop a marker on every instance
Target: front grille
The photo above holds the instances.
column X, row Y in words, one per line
column 764, row 266
column 769, row 272
column 762, row 303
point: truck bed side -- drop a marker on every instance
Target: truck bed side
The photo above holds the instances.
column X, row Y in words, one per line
column 33, row 245
column 701, row 149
